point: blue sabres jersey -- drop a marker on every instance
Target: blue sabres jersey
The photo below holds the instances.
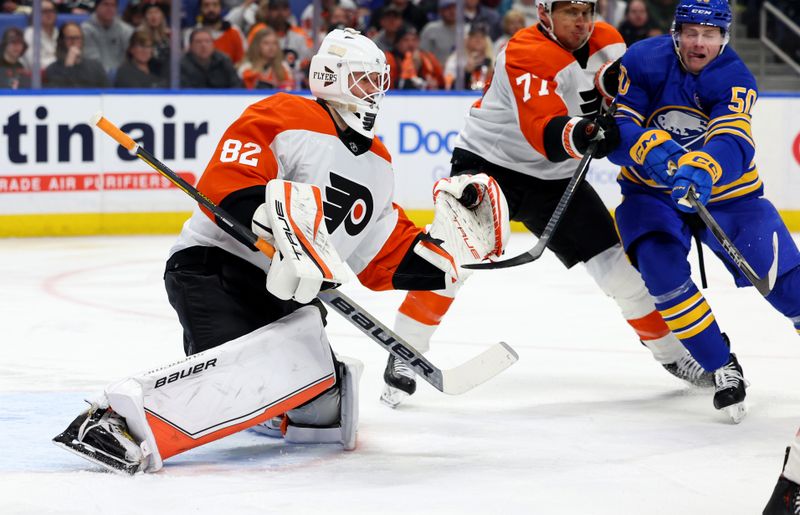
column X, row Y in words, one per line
column 708, row 112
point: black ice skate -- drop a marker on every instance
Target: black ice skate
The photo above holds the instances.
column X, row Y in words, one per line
column 688, row 369
column 730, row 389
column 400, row 382
column 785, row 498
column 101, row 436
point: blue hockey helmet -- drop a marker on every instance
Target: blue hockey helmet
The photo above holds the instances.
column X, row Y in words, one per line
column 713, row 13
column 716, row 13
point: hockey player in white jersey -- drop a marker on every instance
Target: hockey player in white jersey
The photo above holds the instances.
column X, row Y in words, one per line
column 535, row 121
column 310, row 178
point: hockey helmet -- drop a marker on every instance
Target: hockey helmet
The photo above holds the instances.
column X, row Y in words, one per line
column 714, row 13
column 346, row 60
column 548, row 9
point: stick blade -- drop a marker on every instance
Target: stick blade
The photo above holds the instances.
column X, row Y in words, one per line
column 526, row 257
column 479, row 369
column 766, row 283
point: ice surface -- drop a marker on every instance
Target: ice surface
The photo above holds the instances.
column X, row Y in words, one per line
column 585, row 423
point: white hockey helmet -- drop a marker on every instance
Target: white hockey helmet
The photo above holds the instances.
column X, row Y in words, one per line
column 548, row 9
column 345, row 64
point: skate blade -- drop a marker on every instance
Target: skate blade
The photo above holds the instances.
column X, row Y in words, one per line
column 737, row 412
column 104, row 461
column 392, row 397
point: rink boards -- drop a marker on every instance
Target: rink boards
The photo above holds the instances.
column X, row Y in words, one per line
column 59, row 176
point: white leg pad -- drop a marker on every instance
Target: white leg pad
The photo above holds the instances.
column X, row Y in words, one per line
column 345, row 431
column 228, row 388
column 612, row 271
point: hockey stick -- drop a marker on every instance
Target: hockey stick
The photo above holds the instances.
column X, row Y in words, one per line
column 538, row 249
column 765, row 284
column 452, row 381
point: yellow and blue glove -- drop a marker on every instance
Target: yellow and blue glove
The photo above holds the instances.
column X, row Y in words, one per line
column 658, row 154
column 696, row 169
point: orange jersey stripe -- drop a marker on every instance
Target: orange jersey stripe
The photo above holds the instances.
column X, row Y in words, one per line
column 650, row 327
column 171, row 441
column 426, row 307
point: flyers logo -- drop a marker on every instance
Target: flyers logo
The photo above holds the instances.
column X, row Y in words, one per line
column 349, row 202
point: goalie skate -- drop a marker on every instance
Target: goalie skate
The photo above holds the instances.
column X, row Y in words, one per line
column 400, row 382
column 730, row 389
column 99, row 435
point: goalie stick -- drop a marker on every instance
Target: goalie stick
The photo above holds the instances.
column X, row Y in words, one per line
column 453, row 381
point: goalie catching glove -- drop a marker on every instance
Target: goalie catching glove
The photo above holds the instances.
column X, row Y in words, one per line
column 470, row 224
column 293, row 222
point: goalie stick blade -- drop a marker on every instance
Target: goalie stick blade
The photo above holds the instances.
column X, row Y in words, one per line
column 479, row 369
column 95, row 456
column 453, row 381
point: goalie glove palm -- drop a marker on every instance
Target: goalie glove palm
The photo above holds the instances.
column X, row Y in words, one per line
column 466, row 233
column 305, row 259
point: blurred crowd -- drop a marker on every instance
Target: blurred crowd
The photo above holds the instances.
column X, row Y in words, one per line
column 264, row 44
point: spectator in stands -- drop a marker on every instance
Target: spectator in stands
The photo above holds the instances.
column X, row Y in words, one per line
column 13, row 7
column 513, row 21
column 72, row 69
column 478, row 60
column 205, row 67
column 295, row 42
column 439, row 37
column 307, row 16
column 106, row 36
column 244, row 14
column 529, row 9
column 154, row 22
column 411, row 67
column 475, row 13
column 137, row 70
column 611, row 13
column 391, row 22
column 228, row 39
column 661, row 13
column 341, row 17
column 47, row 51
column 264, row 66
column 410, row 13
column 637, row 25
column 13, row 74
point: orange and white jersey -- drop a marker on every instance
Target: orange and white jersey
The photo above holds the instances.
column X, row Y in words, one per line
column 295, row 139
column 536, row 80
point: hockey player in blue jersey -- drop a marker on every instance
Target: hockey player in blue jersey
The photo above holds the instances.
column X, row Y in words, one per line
column 684, row 110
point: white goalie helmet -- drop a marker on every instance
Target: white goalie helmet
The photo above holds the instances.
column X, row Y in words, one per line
column 548, row 9
column 350, row 73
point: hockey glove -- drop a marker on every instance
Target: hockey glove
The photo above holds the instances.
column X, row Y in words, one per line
column 606, row 80
column 686, row 177
column 468, row 233
column 658, row 154
column 696, row 169
column 292, row 218
column 580, row 132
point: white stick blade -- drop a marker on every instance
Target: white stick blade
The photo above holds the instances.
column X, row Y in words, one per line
column 479, row 369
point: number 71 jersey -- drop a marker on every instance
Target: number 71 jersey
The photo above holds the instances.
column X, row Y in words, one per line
column 536, row 80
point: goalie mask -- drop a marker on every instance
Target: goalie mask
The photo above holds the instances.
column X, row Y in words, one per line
column 547, row 22
column 350, row 73
column 712, row 13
